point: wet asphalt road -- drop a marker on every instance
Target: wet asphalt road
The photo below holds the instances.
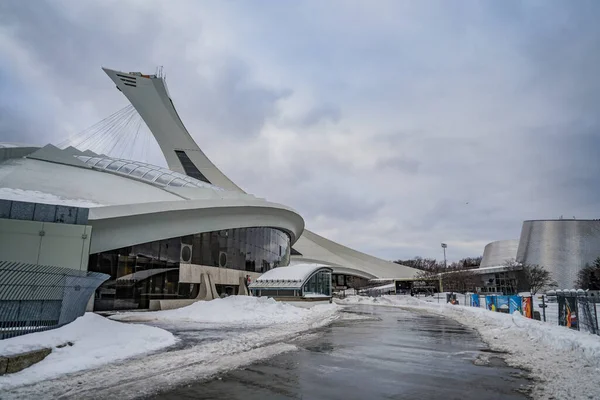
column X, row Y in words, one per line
column 394, row 354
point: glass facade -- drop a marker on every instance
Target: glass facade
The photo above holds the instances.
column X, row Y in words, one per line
column 318, row 284
column 503, row 282
column 249, row 249
column 150, row 271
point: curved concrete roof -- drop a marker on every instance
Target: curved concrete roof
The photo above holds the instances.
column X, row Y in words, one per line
column 344, row 260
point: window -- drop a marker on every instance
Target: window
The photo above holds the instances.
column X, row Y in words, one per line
column 103, row 163
column 150, row 175
column 177, row 182
column 115, row 165
column 164, row 179
column 189, row 167
column 139, row 172
column 127, row 168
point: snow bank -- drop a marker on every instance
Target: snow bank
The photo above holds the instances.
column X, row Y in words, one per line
column 222, row 349
column 95, row 341
column 233, row 310
column 565, row 363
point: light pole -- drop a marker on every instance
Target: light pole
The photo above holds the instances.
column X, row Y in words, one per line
column 444, row 245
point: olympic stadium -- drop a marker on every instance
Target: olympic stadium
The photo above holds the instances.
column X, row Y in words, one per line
column 156, row 237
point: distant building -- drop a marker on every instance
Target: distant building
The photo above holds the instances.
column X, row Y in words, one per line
column 300, row 282
column 563, row 247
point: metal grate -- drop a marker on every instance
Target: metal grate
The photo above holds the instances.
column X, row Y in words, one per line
column 36, row 297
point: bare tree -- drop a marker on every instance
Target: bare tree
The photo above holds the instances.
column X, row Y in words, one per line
column 537, row 278
column 531, row 276
column 461, row 281
column 589, row 276
column 421, row 263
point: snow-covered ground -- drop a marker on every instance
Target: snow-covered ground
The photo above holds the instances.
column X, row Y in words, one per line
column 564, row 363
column 95, row 341
column 233, row 310
column 35, row 196
column 232, row 332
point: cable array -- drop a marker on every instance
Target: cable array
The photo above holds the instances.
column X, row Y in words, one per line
column 122, row 134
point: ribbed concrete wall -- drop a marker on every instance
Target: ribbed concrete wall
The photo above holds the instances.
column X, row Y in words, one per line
column 498, row 252
column 562, row 246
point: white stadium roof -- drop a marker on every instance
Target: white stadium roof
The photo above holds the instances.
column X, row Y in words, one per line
column 130, row 207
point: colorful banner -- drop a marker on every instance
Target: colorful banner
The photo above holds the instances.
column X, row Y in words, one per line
column 515, row 304
column 490, row 303
column 527, row 307
column 474, row 300
column 502, row 303
column 567, row 311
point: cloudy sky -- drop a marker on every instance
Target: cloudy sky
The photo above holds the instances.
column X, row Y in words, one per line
column 391, row 126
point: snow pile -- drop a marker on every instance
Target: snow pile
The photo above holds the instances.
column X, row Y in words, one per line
column 35, row 196
column 235, row 310
column 224, row 348
column 94, row 340
column 564, row 361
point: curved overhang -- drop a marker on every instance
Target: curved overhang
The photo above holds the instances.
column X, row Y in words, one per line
column 337, row 269
column 125, row 225
column 325, row 251
column 290, row 277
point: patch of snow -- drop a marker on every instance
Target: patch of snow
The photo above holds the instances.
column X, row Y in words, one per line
column 315, row 296
column 96, row 341
column 564, row 362
column 233, row 310
column 35, row 196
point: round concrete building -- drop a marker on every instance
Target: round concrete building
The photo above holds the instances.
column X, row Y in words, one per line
column 562, row 246
column 498, row 252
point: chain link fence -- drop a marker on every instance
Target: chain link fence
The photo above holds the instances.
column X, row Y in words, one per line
column 36, row 297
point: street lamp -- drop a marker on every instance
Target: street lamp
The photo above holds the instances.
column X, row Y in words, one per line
column 444, row 245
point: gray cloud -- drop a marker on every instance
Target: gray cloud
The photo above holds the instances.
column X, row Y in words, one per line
column 325, row 112
column 442, row 105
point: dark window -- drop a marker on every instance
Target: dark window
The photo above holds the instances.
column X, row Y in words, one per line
column 295, row 252
column 189, row 167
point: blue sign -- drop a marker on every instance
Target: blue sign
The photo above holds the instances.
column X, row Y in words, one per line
column 474, row 300
column 502, row 303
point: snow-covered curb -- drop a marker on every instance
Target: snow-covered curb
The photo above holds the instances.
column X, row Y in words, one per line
column 565, row 363
column 94, row 341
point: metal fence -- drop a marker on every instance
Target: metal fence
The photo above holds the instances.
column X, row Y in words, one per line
column 574, row 310
column 37, row 297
